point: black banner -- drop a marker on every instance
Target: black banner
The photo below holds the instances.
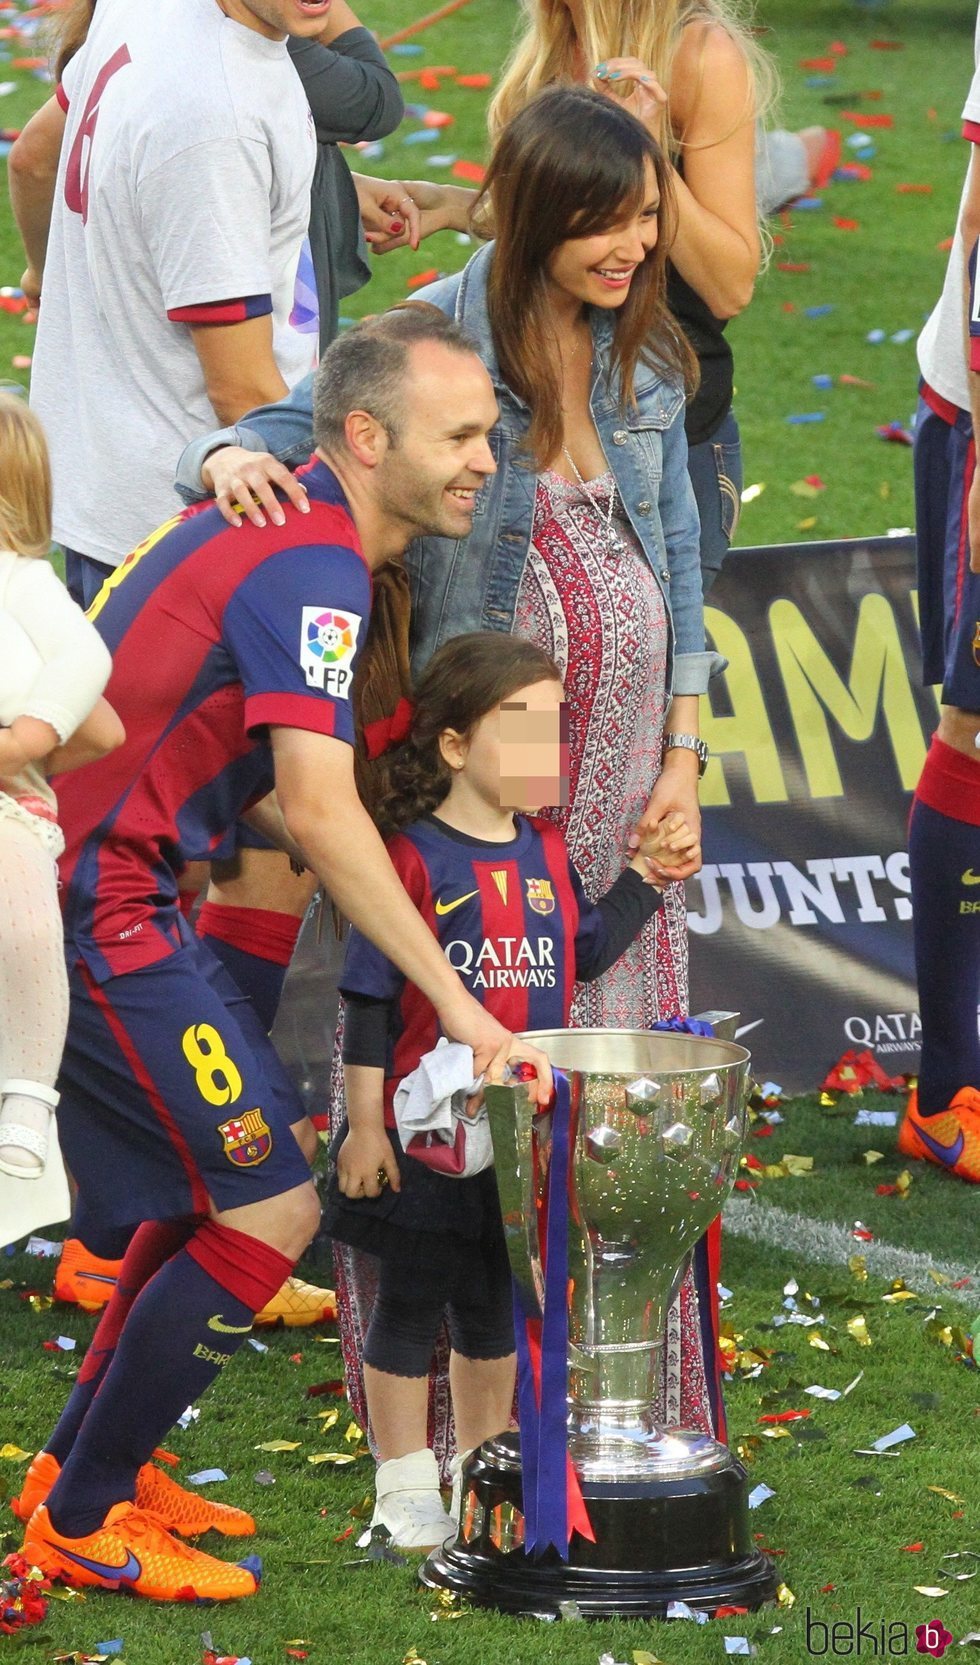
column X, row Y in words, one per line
column 801, row 917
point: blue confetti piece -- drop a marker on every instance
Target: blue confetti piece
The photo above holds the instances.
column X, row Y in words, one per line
column 252, row 1564
column 204, row 1476
column 859, row 141
column 109, row 1647
column 901, row 336
column 442, row 161
column 407, row 49
column 818, row 311
column 417, row 112
column 5, row 147
column 424, row 136
column 372, row 150
column 346, row 323
column 875, row 337
column 822, row 381
column 806, row 205
column 796, row 421
column 821, row 81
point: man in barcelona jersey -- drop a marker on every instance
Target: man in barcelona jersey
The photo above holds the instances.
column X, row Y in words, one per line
column 234, row 657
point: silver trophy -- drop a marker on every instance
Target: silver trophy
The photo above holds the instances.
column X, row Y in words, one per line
column 657, row 1124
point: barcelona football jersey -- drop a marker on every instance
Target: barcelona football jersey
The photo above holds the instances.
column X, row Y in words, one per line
column 513, row 920
column 216, row 632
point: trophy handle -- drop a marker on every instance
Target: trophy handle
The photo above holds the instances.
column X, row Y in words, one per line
column 511, row 1117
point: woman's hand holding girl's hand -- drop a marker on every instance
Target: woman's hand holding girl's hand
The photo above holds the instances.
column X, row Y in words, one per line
column 675, row 792
column 670, row 846
column 646, row 99
column 365, row 1154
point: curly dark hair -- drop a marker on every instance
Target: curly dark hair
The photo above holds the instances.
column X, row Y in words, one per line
column 464, row 679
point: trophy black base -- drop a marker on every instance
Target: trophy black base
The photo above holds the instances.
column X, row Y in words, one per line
column 657, row 1541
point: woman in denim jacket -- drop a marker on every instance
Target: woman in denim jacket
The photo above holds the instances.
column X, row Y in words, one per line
column 586, row 540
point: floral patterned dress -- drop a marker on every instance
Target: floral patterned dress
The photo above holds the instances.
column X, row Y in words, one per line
column 588, row 597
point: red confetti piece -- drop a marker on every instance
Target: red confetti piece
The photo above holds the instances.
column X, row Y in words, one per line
column 961, row 1283
column 729, row 1612
column 886, row 1190
column 297, row 1653
column 793, row 266
column 28, row 63
column 945, row 246
column 746, row 1184
column 295, row 1358
column 957, row 1514
column 429, row 80
column 474, row 80
column 789, row 306
column 863, row 1235
column 825, row 64
column 854, row 381
column 825, row 1589
column 762, row 1132
column 469, row 170
column 437, row 118
column 862, row 119
column 846, row 225
column 912, row 1549
column 914, row 190
column 838, row 48
column 754, row 1163
column 422, row 278
column 815, row 481
column 320, row 1389
column 887, row 45
column 785, row 1416
column 342, row 1536
column 857, row 170
column 876, row 93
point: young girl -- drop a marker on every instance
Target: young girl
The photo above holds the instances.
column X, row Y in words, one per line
column 500, row 893
column 53, row 667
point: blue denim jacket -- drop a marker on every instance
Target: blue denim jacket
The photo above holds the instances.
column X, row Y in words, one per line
column 472, row 584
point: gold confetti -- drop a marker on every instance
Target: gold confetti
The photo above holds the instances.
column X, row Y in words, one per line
column 903, row 1183
column 278, row 1445
column 898, row 1295
column 857, row 1265
column 641, row 1656
column 14, row 1454
column 338, row 1458
column 797, row 1165
column 785, row 1596
column 449, row 1606
column 951, row 1497
column 828, row 1101
column 329, row 1418
column 884, row 491
column 806, row 525
column 858, row 1328
column 803, row 488
column 40, row 1303
column 413, row 1657
column 873, row 1156
column 353, row 1433
column 935, row 1590
column 776, row 1434
column 817, row 1340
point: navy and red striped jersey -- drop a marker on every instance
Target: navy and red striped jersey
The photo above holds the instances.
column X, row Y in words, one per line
column 216, row 632
column 513, row 920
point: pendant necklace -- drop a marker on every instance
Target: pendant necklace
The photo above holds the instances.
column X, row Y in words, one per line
column 614, row 542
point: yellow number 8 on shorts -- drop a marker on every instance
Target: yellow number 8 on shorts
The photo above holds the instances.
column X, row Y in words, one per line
column 217, row 1079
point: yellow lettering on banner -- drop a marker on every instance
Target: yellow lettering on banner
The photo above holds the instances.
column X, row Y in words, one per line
column 132, row 559
column 747, row 731
column 878, row 680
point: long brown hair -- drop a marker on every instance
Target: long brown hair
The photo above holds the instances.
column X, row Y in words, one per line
column 68, row 31
column 465, row 679
column 570, row 164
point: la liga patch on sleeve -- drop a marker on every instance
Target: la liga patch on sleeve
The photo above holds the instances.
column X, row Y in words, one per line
column 328, row 643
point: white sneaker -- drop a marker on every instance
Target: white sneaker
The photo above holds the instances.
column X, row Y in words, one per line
column 409, row 1502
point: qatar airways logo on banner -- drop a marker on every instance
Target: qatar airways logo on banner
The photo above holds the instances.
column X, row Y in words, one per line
column 829, row 890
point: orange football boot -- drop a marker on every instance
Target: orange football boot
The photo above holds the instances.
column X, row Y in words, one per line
column 178, row 1510
column 131, row 1551
column 82, row 1278
column 950, row 1139
column 297, row 1304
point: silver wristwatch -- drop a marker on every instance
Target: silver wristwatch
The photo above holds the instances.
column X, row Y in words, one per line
column 689, row 743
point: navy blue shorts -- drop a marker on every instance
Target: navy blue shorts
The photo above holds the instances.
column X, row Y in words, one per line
column 172, row 1095
column 949, row 593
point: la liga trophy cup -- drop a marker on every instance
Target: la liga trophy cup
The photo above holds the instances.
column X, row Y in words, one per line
column 650, row 1141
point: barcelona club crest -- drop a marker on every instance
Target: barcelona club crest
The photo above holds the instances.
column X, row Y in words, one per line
column 540, row 895
column 247, row 1139
column 976, row 644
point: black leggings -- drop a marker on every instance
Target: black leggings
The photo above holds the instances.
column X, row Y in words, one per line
column 405, row 1320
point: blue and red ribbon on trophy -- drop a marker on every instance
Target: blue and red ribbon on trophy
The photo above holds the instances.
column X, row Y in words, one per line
column 554, row 1507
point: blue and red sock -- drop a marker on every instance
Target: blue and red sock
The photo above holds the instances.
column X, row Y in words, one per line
column 183, row 1328
column 944, row 862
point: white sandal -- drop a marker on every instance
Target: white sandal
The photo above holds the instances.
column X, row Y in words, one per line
column 16, row 1136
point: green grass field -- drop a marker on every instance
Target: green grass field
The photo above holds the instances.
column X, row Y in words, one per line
column 845, row 1523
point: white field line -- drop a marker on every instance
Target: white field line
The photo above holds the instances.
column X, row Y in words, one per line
column 830, row 1245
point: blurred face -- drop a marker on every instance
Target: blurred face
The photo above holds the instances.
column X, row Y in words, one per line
column 429, row 477
column 598, row 270
column 517, row 756
column 278, row 18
